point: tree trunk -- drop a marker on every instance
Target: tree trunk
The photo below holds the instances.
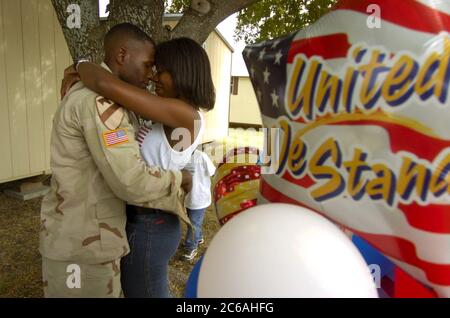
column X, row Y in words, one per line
column 86, row 39
column 146, row 14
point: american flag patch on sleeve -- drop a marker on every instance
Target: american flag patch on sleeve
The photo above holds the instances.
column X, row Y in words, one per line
column 115, row 137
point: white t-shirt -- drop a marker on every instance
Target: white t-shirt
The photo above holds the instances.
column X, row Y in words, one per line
column 156, row 150
column 202, row 169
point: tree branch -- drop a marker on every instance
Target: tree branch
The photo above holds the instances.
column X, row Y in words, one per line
column 200, row 19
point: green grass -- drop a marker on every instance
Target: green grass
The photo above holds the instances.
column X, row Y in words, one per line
column 20, row 262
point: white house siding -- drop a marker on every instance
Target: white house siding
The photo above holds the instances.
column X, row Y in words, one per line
column 33, row 55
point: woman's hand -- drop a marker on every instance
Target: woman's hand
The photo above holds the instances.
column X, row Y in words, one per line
column 70, row 77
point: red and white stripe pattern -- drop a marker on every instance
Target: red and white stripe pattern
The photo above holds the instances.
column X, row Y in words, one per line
column 415, row 237
column 140, row 136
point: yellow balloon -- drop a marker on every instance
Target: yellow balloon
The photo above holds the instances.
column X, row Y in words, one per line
column 236, row 183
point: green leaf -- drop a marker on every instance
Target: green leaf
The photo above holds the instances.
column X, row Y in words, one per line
column 178, row 6
column 269, row 19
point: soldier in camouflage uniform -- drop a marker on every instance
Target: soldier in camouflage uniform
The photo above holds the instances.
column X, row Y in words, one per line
column 96, row 168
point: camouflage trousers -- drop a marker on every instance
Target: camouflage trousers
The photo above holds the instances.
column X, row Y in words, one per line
column 70, row 280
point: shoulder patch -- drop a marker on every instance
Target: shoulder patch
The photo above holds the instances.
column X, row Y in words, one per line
column 115, row 137
column 110, row 113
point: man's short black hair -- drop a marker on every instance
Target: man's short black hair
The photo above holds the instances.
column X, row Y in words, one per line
column 125, row 31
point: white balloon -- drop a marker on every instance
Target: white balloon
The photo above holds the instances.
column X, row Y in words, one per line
column 282, row 250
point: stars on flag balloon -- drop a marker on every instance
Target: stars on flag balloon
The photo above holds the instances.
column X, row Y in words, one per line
column 266, row 63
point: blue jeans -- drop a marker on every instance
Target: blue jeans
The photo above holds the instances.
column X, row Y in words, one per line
column 153, row 237
column 196, row 217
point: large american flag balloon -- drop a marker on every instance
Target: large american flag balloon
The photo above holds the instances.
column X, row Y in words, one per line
column 362, row 100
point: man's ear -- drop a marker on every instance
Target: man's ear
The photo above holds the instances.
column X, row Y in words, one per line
column 120, row 56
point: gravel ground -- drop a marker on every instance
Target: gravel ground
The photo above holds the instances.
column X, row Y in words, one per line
column 20, row 261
